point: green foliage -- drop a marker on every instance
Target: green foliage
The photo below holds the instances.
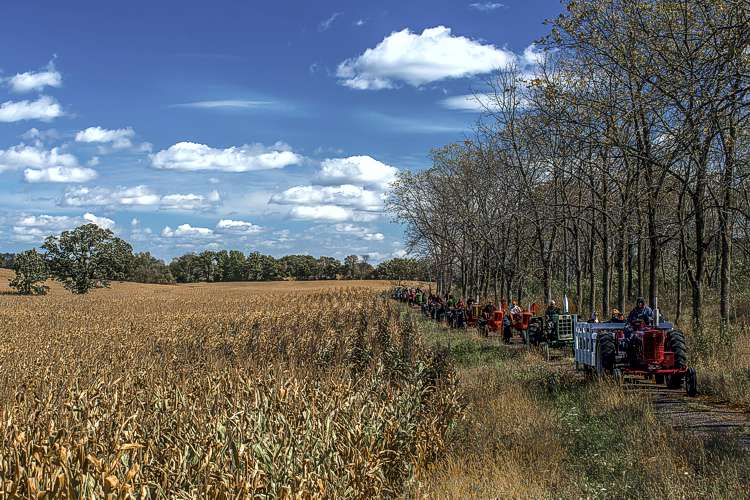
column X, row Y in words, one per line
column 299, row 266
column 6, row 260
column 403, row 269
column 231, row 265
column 261, row 267
column 87, row 257
column 31, row 269
column 146, row 268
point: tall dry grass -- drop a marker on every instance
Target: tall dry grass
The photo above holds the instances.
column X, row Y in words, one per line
column 186, row 392
column 535, row 429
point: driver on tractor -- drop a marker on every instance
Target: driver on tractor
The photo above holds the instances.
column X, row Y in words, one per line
column 516, row 312
column 641, row 312
column 552, row 310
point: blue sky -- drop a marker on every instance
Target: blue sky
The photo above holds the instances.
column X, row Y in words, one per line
column 269, row 126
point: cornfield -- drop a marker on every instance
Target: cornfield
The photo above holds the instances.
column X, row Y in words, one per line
column 186, row 392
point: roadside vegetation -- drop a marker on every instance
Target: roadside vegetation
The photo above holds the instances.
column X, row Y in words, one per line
column 535, row 429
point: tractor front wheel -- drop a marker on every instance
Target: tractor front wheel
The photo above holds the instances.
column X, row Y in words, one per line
column 691, row 382
column 677, row 345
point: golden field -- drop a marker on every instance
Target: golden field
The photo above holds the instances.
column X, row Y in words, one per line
column 315, row 389
column 229, row 390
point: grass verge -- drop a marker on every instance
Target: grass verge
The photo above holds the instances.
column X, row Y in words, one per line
column 533, row 429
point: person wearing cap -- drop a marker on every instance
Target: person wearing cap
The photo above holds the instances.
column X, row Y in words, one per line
column 552, row 310
column 641, row 312
column 616, row 317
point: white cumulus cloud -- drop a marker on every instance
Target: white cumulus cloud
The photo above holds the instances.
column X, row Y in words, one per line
column 138, row 196
column 358, row 170
column 100, row 196
column 34, row 228
column 418, row 59
column 22, row 156
column 119, row 138
column 190, row 201
column 45, row 108
column 331, row 213
column 359, row 231
column 532, row 55
column 344, row 195
column 192, row 157
column 34, row 81
column 237, row 227
column 102, row 222
column 59, row 174
column 187, row 231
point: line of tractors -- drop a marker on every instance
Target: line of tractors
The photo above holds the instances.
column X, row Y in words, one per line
column 649, row 348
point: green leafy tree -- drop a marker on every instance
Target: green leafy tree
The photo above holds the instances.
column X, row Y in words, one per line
column 87, row 257
column 146, row 268
column 402, row 269
column 231, row 265
column 351, row 266
column 31, row 270
column 328, row 268
column 299, row 267
column 259, row 267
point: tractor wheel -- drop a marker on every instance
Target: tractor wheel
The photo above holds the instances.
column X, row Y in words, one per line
column 659, row 379
column 677, row 345
column 534, row 333
column 691, row 382
column 607, row 352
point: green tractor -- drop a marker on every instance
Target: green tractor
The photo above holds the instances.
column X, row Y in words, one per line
column 554, row 331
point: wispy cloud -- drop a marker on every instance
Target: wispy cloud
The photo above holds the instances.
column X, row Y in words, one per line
column 326, row 23
column 224, row 104
column 471, row 102
column 415, row 125
column 486, row 6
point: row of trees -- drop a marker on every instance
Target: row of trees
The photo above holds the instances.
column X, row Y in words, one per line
column 618, row 168
column 90, row 257
column 233, row 265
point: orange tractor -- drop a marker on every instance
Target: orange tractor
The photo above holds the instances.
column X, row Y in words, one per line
column 520, row 321
column 490, row 319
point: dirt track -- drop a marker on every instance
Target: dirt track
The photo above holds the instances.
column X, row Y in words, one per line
column 698, row 415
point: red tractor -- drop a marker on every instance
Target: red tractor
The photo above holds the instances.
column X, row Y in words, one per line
column 655, row 351
column 520, row 321
column 490, row 320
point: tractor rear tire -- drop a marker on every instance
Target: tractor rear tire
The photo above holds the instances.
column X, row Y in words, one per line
column 607, row 352
column 677, row 345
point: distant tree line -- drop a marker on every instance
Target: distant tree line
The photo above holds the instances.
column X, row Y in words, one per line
column 6, row 260
column 90, row 257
